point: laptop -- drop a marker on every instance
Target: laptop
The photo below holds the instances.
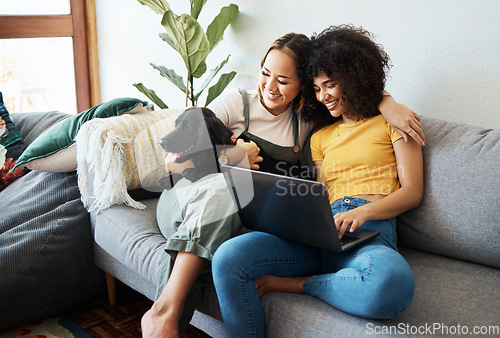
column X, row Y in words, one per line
column 291, row 208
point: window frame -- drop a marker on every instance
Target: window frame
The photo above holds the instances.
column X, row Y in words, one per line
column 79, row 25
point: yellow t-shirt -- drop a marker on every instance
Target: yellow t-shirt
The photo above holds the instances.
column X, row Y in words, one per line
column 358, row 158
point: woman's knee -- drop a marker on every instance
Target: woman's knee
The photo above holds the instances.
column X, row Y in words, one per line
column 225, row 257
column 234, row 253
column 392, row 288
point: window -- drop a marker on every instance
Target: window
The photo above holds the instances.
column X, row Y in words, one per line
column 48, row 55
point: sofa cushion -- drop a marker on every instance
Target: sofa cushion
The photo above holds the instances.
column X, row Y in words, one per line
column 460, row 212
column 55, row 149
column 46, row 259
column 132, row 237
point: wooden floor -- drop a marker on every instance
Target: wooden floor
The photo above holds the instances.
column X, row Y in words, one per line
column 99, row 319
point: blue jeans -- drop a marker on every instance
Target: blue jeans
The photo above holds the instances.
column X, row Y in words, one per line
column 370, row 281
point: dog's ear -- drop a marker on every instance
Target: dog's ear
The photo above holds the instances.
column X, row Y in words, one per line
column 219, row 133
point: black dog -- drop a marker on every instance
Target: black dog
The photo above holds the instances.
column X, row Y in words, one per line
column 199, row 136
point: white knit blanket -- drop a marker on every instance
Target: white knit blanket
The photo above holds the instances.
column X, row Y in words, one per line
column 119, row 154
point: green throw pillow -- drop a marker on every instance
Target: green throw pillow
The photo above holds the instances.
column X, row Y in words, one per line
column 55, row 149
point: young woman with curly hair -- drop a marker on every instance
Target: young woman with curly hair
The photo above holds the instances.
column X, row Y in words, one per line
column 372, row 176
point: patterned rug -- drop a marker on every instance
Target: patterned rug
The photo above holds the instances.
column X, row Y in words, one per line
column 57, row 327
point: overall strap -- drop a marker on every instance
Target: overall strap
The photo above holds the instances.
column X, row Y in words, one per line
column 246, row 114
column 246, row 107
column 295, row 125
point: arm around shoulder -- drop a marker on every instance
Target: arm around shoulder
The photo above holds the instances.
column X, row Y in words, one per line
column 404, row 120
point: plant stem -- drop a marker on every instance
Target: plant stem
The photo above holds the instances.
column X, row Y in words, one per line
column 187, row 90
column 192, row 92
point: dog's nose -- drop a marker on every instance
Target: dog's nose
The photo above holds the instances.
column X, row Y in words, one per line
column 163, row 143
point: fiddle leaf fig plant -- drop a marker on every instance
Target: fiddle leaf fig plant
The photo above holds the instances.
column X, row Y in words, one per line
column 186, row 36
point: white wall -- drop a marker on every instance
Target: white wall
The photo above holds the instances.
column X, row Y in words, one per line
column 445, row 53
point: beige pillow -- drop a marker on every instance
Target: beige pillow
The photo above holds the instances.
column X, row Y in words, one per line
column 121, row 153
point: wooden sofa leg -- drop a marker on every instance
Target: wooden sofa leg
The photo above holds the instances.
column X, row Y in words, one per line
column 111, row 285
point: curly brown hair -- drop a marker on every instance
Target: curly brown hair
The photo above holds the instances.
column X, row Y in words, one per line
column 349, row 56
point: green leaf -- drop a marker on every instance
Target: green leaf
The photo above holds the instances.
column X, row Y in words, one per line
column 165, row 37
column 212, row 74
column 215, row 31
column 200, row 69
column 150, row 94
column 196, row 6
column 215, row 90
column 190, row 40
column 171, row 75
column 158, row 6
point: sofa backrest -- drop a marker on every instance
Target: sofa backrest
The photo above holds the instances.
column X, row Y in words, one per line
column 460, row 213
column 31, row 125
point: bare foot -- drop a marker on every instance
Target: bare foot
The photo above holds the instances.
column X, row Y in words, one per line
column 156, row 323
column 270, row 283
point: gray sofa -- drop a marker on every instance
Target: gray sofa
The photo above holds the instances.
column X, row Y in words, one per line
column 46, row 251
column 452, row 243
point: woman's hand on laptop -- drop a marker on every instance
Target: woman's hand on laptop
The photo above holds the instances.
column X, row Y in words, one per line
column 351, row 220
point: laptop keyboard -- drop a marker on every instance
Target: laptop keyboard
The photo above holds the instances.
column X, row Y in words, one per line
column 347, row 239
